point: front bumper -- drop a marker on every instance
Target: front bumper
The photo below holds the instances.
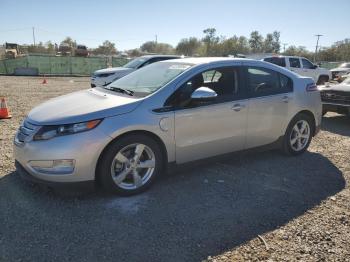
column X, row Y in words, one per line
column 25, row 175
column 84, row 148
column 338, row 108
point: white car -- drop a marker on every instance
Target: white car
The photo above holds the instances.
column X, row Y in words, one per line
column 341, row 70
column 301, row 66
column 106, row 76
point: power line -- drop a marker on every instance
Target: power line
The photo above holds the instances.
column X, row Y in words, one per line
column 16, row 29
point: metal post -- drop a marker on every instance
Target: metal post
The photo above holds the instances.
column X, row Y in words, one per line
column 33, row 36
column 284, row 47
column 318, row 38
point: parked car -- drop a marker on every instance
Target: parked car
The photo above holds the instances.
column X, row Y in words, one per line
column 340, row 71
column 125, row 134
column 301, row 66
column 81, row 50
column 106, row 76
column 64, row 50
column 336, row 98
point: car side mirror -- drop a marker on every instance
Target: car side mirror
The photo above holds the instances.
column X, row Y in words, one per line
column 315, row 66
column 203, row 94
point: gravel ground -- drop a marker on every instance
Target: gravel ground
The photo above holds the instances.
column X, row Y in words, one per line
column 247, row 206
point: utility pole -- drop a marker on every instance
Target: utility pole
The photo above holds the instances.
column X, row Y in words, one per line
column 284, row 47
column 318, row 38
column 156, row 36
column 33, row 36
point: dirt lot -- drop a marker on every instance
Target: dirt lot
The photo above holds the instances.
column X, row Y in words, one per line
column 223, row 210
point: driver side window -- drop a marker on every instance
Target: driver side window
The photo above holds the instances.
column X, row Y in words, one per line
column 224, row 81
column 307, row 64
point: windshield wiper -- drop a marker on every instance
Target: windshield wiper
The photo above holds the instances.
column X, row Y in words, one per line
column 121, row 90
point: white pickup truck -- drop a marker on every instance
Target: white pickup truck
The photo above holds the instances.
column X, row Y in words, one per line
column 301, row 66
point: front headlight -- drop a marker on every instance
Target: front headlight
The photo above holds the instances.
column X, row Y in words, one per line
column 48, row 132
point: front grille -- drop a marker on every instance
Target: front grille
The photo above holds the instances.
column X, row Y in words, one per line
column 336, row 97
column 25, row 132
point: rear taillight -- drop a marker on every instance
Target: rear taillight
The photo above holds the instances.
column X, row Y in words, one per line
column 311, row 87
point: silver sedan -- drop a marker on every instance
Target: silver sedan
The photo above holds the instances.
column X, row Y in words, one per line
column 125, row 134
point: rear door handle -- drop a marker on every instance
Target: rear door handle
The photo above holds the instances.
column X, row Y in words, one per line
column 286, row 99
column 237, row 107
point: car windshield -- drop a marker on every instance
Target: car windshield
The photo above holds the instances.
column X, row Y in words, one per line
column 345, row 65
column 135, row 63
column 150, row 78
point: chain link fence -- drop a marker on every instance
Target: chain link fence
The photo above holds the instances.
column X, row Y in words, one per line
column 57, row 65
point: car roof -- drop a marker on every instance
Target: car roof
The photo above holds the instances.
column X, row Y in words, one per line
column 205, row 60
column 160, row 56
column 284, row 56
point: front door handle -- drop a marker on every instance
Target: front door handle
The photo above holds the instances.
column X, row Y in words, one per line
column 285, row 99
column 237, row 107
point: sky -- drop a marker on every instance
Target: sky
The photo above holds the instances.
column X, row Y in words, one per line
column 130, row 23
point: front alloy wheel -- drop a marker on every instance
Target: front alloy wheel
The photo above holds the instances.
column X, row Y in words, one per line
column 130, row 164
column 133, row 166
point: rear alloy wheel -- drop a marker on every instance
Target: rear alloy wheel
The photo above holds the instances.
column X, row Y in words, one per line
column 298, row 135
column 130, row 165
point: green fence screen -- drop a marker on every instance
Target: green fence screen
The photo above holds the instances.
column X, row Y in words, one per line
column 59, row 65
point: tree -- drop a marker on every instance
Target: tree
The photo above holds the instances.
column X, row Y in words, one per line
column 256, row 42
column 68, row 40
column 149, row 47
column 50, row 47
column 233, row 46
column 38, row 48
column 268, row 44
column 188, row 46
column 276, row 44
column 107, row 48
column 210, row 39
column 159, row 48
column 134, row 52
column 298, row 51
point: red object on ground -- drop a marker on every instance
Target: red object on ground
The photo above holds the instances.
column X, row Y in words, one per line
column 4, row 111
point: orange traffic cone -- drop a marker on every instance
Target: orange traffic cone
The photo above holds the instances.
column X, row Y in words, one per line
column 44, row 81
column 4, row 112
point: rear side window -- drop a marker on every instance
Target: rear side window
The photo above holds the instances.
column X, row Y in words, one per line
column 294, row 62
column 280, row 61
column 263, row 82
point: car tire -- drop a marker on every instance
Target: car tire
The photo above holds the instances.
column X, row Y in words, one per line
column 298, row 135
column 122, row 168
column 322, row 80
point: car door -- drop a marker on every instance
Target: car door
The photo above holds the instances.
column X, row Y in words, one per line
column 270, row 96
column 309, row 69
column 295, row 65
column 211, row 128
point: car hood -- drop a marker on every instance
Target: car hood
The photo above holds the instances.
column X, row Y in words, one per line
column 83, row 106
column 114, row 70
column 340, row 87
column 338, row 69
